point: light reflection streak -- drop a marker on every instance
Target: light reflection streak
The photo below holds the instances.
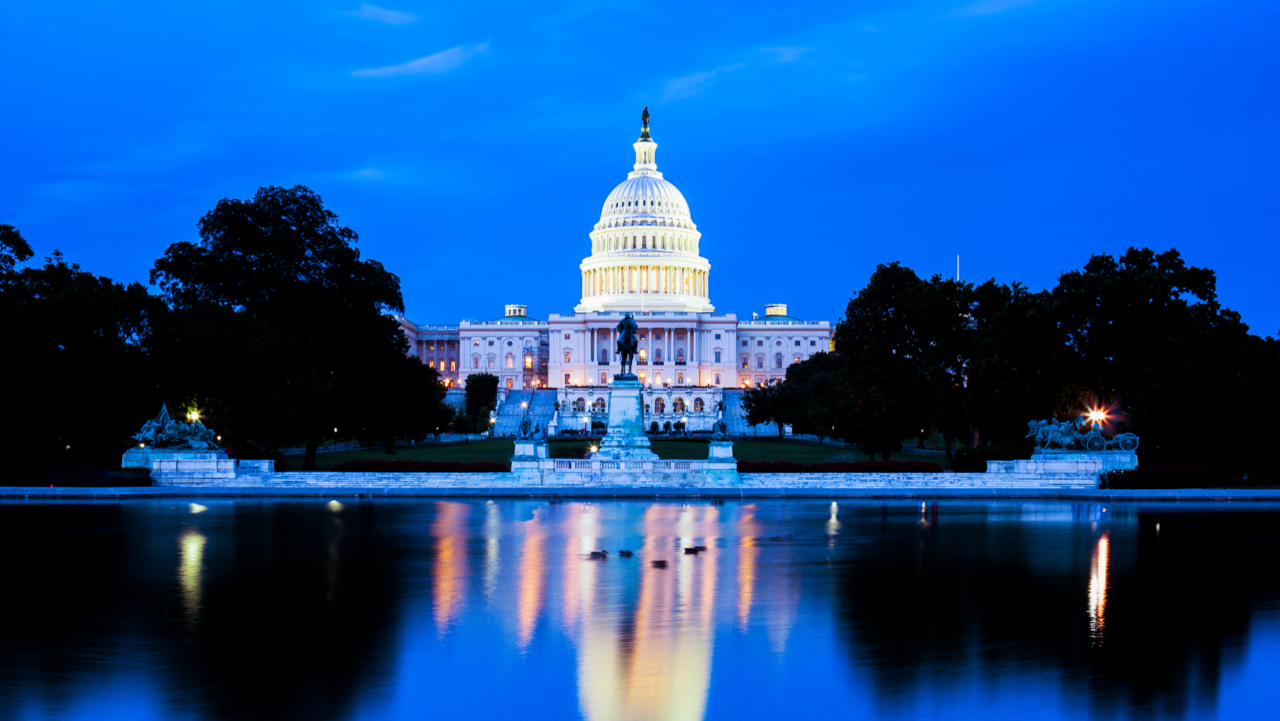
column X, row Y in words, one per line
column 533, row 569
column 748, row 552
column 1098, row 589
column 190, row 572
column 449, row 576
column 492, row 538
column 655, row 664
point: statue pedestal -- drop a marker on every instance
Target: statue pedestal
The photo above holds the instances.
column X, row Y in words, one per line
column 144, row 457
column 625, row 438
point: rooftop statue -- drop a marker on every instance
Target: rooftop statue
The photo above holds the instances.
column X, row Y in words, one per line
column 163, row 432
column 1078, row 436
column 628, row 344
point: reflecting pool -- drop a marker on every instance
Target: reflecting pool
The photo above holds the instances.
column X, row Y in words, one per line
column 348, row 609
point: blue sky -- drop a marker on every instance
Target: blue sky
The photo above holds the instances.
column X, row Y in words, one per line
column 471, row 145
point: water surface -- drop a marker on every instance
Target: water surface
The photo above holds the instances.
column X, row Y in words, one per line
column 384, row 609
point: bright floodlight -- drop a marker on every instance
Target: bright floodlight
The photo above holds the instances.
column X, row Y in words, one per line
column 1097, row 415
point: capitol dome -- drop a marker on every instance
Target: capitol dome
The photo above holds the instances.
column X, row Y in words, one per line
column 644, row 249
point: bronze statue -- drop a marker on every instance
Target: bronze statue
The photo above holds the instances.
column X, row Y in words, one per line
column 628, row 344
column 644, row 131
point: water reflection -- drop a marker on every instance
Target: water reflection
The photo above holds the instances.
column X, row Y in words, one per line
column 1098, row 589
column 189, row 570
column 303, row 610
column 450, row 571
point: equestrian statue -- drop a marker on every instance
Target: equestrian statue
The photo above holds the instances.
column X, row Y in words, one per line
column 628, row 345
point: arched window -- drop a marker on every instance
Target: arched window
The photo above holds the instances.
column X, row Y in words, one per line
column 759, row 361
column 644, row 241
column 580, row 405
column 795, row 359
column 777, row 361
column 604, row 356
column 659, row 405
column 678, row 406
column 598, row 406
column 697, row 405
column 493, row 362
column 657, row 355
column 511, row 361
column 744, row 361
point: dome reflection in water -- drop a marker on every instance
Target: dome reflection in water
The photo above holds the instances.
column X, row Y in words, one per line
column 482, row 609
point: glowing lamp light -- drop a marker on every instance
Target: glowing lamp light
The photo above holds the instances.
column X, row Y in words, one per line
column 193, row 416
column 594, row 449
column 1097, row 415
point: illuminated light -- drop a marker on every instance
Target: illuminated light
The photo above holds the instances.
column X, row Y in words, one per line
column 142, row 445
column 594, row 449
column 219, row 437
column 197, row 508
column 334, row 506
column 193, row 416
column 1097, row 415
column 335, row 430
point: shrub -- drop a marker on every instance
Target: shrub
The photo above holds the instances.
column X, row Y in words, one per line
column 839, row 467
column 1174, row 475
column 99, row 477
column 373, row 465
column 974, row 460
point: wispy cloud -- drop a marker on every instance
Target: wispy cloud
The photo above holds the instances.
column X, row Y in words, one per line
column 435, row 64
column 368, row 174
column 786, row 55
column 381, row 15
column 690, row 85
column 991, row 7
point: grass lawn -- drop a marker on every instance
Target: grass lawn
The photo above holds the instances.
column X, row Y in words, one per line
column 500, row 450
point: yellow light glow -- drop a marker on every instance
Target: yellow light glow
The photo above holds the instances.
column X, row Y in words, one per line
column 334, row 506
column 197, row 508
column 1097, row 415
column 193, row 416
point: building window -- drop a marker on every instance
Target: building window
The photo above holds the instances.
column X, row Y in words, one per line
column 567, row 355
column 510, row 383
column 796, row 359
column 759, row 361
column 680, row 357
column 679, row 379
column 604, row 378
column 717, row 356
column 717, row 336
column 604, row 356
column 778, row 343
column 659, row 405
column 490, row 343
column 453, row 365
column 813, row 343
column 657, row 335
column 759, row 343
column 744, row 342
column 475, row 362
column 797, row 344
column 492, row 362
column 528, row 362
column 567, row 381
column 511, row 361
column 657, row 355
column 431, row 364
column 744, row 361
column 697, row 405
column 777, row 361
column 566, row 336
column 580, row 405
column 475, row 343
column 598, row 406
column 644, row 357
column 717, row 379
column 678, row 406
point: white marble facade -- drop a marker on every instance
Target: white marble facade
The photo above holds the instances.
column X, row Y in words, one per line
column 645, row 259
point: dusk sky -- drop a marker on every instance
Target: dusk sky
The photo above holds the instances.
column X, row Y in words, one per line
column 471, row 145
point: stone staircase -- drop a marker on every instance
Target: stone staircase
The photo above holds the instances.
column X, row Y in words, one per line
column 735, row 416
column 542, row 407
column 510, row 413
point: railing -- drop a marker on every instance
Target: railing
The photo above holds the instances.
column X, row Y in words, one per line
column 573, row 465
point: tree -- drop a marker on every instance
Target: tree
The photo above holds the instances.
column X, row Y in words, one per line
column 78, row 382
column 14, row 249
column 1146, row 333
column 766, row 404
column 813, row 399
column 285, row 270
column 481, row 396
column 879, row 346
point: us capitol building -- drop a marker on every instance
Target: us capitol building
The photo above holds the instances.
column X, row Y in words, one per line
column 645, row 259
